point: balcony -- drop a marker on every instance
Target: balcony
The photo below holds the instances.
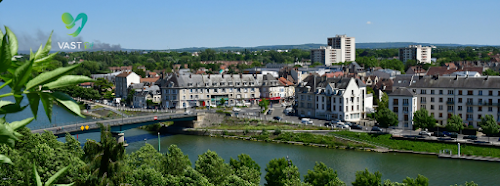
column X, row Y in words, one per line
column 405, row 111
column 469, row 119
column 450, row 102
column 450, row 110
column 405, row 104
column 423, row 102
column 470, row 111
column 469, row 103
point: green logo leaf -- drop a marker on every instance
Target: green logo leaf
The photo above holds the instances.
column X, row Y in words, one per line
column 67, row 18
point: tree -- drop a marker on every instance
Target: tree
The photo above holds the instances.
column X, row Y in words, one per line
column 246, row 168
column 369, row 90
column 315, row 64
column 386, row 117
column 175, row 162
column 222, row 101
column 277, row 172
column 468, row 184
column 454, row 123
column 365, row 178
column 489, row 125
column 130, row 96
column 147, row 156
column 264, row 103
column 104, row 158
column 422, row 119
column 489, row 72
column 139, row 72
column 213, row 167
column 383, row 102
column 102, row 85
column 419, row 181
column 322, row 175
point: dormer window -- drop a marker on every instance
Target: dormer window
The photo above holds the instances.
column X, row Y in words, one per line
column 190, row 84
column 214, row 84
column 230, row 83
column 206, row 84
column 222, row 83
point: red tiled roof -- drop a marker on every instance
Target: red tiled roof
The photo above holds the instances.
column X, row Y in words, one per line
column 284, row 81
column 445, row 70
column 334, row 74
column 152, row 80
column 121, row 68
column 87, row 84
column 123, row 74
column 451, row 65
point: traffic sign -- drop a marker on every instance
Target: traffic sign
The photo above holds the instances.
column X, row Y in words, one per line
column 82, row 127
column 156, row 117
column 87, row 127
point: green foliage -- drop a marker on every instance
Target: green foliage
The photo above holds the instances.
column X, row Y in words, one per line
column 386, row 117
column 80, row 92
column 246, row 168
column 369, row 90
column 102, row 85
column 222, row 101
column 468, row 184
column 315, row 64
column 454, row 123
column 264, row 103
column 489, row 125
column 365, row 178
column 489, row 72
column 322, row 175
column 213, row 167
column 419, row 181
column 147, row 156
column 277, row 131
column 175, row 162
column 422, row 119
column 279, row 171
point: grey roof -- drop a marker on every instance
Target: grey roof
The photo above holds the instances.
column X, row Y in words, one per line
column 402, row 92
column 136, row 85
column 321, row 82
column 199, row 80
column 488, row 82
column 405, row 80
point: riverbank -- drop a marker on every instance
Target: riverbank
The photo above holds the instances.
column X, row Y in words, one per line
column 420, row 146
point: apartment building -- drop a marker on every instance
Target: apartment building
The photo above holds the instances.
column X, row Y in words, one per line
column 191, row 90
column 123, row 81
column 469, row 97
column 347, row 46
column 326, row 55
column 332, row 98
column 416, row 52
column 403, row 102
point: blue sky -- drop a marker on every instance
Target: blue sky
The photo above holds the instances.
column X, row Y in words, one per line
column 158, row 24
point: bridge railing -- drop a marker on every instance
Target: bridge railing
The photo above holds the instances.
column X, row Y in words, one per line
column 114, row 122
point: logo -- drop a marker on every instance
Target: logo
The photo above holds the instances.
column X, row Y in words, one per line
column 67, row 18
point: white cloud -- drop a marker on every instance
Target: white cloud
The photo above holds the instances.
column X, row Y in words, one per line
column 368, row 22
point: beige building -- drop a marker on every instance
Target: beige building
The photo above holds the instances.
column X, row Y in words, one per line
column 326, row 55
column 347, row 45
column 469, row 97
column 191, row 90
column 416, row 52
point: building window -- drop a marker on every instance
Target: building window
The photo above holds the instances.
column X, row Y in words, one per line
column 323, row 106
column 469, row 109
column 317, row 98
column 459, row 108
column 395, row 102
column 432, row 91
column 490, row 93
column 460, row 100
column 334, row 99
column 357, row 99
column 450, row 108
column 422, row 106
column 346, row 108
column 405, row 109
column 395, row 109
column 440, row 92
column 460, row 92
column 432, row 107
column 302, row 97
column 440, row 107
column 432, row 99
column 322, row 99
column 479, row 109
column 450, row 92
column 422, row 99
column 480, row 93
column 357, row 107
column 405, row 101
column 440, row 115
column 340, row 108
column 490, row 109
column 479, row 116
column 440, row 100
column 469, row 92
column 423, row 91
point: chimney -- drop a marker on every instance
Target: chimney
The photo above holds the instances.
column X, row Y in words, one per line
column 189, row 75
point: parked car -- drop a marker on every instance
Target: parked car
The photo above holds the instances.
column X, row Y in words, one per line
column 439, row 134
column 341, row 126
column 471, row 137
column 424, row 133
column 334, row 122
column 349, row 124
column 451, row 134
column 236, row 109
column 377, row 129
column 306, row 121
column 277, row 118
column 188, row 112
column 270, row 111
column 357, row 127
column 328, row 124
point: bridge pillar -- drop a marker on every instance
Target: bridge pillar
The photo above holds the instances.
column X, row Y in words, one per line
column 120, row 137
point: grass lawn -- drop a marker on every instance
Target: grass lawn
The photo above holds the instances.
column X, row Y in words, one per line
column 420, row 146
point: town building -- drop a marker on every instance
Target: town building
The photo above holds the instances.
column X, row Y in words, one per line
column 333, row 98
column 403, row 102
column 192, row 90
column 347, row 46
column 469, row 97
column 326, row 55
column 416, row 52
column 123, row 81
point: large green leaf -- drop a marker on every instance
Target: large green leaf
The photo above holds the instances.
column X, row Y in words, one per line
column 34, row 100
column 47, row 101
column 67, row 102
column 5, row 56
column 56, row 175
column 18, row 124
column 7, row 135
column 38, row 53
column 4, row 103
column 11, row 108
column 22, row 74
column 1, row 36
column 68, row 80
column 12, row 41
column 47, row 47
column 5, row 159
column 37, row 177
column 47, row 77
column 45, row 59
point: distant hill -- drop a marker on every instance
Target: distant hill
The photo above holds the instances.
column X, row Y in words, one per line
column 315, row 45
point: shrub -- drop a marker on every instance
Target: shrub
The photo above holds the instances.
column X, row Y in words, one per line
column 225, row 132
column 277, row 131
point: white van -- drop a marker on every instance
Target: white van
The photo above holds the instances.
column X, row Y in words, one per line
column 306, row 121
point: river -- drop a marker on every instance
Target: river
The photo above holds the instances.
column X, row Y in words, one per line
column 393, row 166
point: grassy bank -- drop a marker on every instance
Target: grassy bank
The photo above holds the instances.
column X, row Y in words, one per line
column 419, row 146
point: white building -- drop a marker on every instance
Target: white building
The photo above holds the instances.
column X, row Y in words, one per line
column 332, row 98
column 123, row 80
column 403, row 102
column 347, row 46
column 416, row 52
column 469, row 97
column 326, row 55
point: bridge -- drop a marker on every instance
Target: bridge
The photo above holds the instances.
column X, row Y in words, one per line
column 120, row 125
